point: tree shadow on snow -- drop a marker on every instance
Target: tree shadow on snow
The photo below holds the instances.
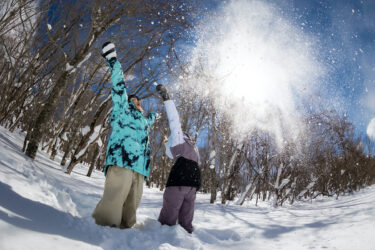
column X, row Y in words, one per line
column 274, row 231
column 270, row 231
column 10, row 143
column 44, row 219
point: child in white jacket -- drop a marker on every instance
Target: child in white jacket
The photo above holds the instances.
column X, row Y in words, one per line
column 184, row 178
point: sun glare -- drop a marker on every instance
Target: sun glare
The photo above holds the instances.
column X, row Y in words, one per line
column 261, row 64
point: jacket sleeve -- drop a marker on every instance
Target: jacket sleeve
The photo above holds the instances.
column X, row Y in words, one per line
column 119, row 95
column 177, row 136
column 151, row 118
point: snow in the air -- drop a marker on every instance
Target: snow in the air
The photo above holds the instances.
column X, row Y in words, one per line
column 262, row 66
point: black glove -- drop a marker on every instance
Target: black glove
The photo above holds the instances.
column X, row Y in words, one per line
column 109, row 51
column 162, row 92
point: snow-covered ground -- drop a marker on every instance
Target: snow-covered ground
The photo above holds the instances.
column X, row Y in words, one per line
column 41, row 207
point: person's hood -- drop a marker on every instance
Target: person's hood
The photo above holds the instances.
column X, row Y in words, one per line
column 133, row 107
column 187, row 139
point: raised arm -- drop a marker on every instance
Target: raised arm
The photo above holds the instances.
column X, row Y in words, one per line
column 119, row 95
column 151, row 118
column 177, row 136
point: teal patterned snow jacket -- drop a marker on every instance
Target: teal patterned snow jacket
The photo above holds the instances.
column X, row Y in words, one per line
column 128, row 145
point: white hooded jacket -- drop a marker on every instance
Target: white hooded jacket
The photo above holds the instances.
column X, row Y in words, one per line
column 179, row 144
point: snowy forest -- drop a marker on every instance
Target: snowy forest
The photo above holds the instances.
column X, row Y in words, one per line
column 55, row 87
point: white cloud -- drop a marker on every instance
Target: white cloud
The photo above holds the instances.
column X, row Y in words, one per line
column 371, row 129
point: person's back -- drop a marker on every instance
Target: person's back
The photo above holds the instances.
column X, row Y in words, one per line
column 129, row 137
column 184, row 178
column 127, row 161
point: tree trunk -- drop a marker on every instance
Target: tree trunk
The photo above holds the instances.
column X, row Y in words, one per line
column 228, row 172
column 82, row 145
column 230, row 193
column 53, row 150
column 25, row 142
column 49, row 107
column 213, row 185
column 45, row 116
column 93, row 160
column 71, row 107
column 72, row 163
column 163, row 173
column 213, row 161
column 66, row 154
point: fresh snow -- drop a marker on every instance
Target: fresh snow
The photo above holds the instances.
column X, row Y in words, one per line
column 70, row 68
column 84, row 59
column 41, row 207
column 93, row 137
column 85, row 130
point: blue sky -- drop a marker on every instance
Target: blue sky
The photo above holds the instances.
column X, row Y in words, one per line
column 345, row 30
column 345, row 33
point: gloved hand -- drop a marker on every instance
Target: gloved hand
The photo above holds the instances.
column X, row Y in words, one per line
column 109, row 51
column 162, row 92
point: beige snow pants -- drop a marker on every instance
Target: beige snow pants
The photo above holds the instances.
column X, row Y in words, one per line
column 122, row 194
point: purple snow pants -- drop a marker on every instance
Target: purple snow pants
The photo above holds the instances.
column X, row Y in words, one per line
column 178, row 203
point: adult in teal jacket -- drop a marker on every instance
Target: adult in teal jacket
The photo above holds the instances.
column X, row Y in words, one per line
column 127, row 161
column 128, row 146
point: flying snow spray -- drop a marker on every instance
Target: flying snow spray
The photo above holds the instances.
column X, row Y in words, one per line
column 260, row 66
